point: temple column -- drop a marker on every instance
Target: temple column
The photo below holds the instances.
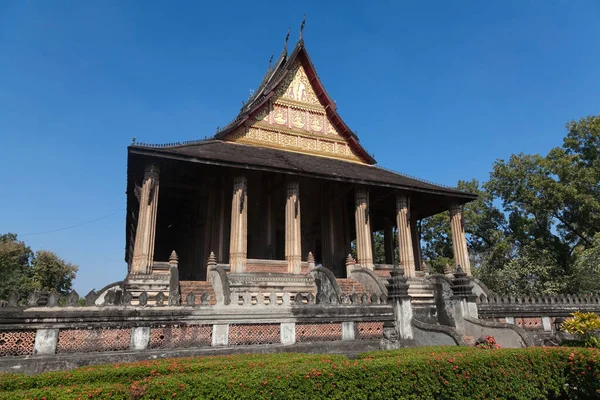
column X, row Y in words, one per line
column 221, row 226
column 238, row 239
column 388, row 244
column 405, row 248
column 364, row 246
column 416, row 243
column 269, row 242
column 328, row 239
column 293, row 238
column 459, row 240
column 143, row 251
column 209, row 244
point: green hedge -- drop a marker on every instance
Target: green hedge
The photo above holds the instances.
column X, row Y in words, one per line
column 420, row 373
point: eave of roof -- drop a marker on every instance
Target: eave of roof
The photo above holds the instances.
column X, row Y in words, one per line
column 237, row 155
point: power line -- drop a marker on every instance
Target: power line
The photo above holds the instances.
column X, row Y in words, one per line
column 73, row 226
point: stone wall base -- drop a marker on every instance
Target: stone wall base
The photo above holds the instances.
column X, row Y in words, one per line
column 44, row 363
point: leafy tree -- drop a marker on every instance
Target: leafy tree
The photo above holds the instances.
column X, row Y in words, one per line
column 21, row 271
column 543, row 238
column 485, row 228
column 15, row 266
column 553, row 206
column 52, row 272
column 586, row 270
column 435, row 233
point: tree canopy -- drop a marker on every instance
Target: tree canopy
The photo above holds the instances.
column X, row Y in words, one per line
column 535, row 226
column 22, row 271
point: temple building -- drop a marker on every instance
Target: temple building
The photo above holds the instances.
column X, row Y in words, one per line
column 287, row 177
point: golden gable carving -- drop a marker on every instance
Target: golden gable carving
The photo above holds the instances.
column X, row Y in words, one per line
column 297, row 87
column 295, row 120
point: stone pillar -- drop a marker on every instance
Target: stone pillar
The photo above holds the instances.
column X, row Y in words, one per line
column 45, row 341
column 348, row 330
column 464, row 300
column 288, row 332
column 238, row 241
column 547, row 324
column 459, row 240
column 220, row 335
column 143, row 252
column 405, row 248
column 293, row 238
column 401, row 303
column 388, row 244
column 416, row 244
column 364, row 246
column 140, row 338
column 350, row 265
column 174, row 293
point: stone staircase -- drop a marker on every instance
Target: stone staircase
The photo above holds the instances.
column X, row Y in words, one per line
column 422, row 296
column 350, row 286
column 198, row 288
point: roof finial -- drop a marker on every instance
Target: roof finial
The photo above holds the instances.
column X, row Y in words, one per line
column 270, row 61
column 287, row 37
column 302, row 27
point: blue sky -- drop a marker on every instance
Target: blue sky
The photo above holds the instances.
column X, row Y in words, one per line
column 437, row 90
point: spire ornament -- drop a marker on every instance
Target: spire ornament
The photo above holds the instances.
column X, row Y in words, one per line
column 302, row 27
column 287, row 38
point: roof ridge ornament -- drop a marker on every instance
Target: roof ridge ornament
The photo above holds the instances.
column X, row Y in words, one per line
column 287, row 38
column 302, row 28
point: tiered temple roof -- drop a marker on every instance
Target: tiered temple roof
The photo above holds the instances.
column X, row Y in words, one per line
column 291, row 125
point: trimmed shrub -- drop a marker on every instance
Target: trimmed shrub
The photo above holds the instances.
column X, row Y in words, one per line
column 419, row 373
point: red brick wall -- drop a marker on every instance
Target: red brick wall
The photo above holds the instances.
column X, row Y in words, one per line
column 197, row 287
column 318, row 332
column 246, row 334
column 368, row 330
column 16, row 343
column 88, row 340
column 180, row 336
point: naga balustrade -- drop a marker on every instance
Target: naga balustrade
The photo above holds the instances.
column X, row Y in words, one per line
column 51, row 324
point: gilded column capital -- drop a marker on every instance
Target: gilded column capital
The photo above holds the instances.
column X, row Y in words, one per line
column 401, row 201
column 361, row 195
column 152, row 171
column 240, row 182
column 454, row 209
column 292, row 185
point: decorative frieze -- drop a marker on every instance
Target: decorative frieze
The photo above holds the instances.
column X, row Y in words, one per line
column 297, row 87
